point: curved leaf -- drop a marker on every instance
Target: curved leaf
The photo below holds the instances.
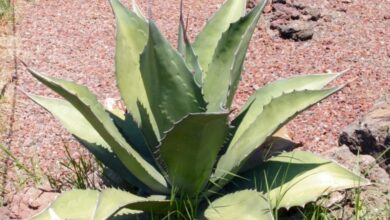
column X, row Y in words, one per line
column 190, row 149
column 275, row 89
column 87, row 135
column 296, row 178
column 224, row 71
column 86, row 103
column 137, row 10
column 207, row 40
column 185, row 48
column 92, row 204
column 273, row 115
column 170, row 87
column 246, row 204
column 131, row 38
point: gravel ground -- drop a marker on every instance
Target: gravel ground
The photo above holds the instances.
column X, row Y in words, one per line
column 75, row 40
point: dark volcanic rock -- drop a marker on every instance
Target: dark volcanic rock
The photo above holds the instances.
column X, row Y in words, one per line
column 371, row 134
column 296, row 30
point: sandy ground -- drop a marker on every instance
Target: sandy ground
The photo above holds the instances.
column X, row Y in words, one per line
column 75, row 40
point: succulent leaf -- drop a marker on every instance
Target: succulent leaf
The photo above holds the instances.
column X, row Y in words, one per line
column 254, row 106
column 131, row 38
column 296, row 178
column 197, row 137
column 224, row 71
column 245, row 204
column 137, row 10
column 207, row 40
column 92, row 204
column 274, row 115
column 86, row 103
column 186, row 50
column 133, row 134
column 87, row 135
column 170, row 86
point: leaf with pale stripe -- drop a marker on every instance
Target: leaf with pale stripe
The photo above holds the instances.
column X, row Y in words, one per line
column 274, row 115
column 131, row 38
column 207, row 40
column 254, row 106
column 224, row 71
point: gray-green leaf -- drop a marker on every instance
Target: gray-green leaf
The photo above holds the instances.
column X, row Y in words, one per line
column 296, row 178
column 207, row 40
column 245, row 204
column 224, row 71
column 274, row 115
column 86, row 103
column 95, row 205
column 170, row 86
column 190, row 149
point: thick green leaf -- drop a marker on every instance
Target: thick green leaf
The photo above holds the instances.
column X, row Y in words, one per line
column 224, row 72
column 170, row 87
column 296, row 178
column 132, row 133
column 186, row 50
column 86, row 134
column 246, row 204
column 274, row 115
column 190, row 149
column 207, row 40
column 92, row 204
column 86, row 103
column 275, row 89
column 131, row 38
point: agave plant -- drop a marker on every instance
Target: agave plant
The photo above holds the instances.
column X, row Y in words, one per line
column 175, row 143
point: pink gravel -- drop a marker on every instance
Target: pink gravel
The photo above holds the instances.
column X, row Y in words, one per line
column 75, row 40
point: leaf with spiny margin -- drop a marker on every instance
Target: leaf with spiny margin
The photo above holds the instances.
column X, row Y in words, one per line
column 92, row 204
column 254, row 105
column 207, row 40
column 190, row 149
column 224, row 71
column 137, row 10
column 170, row 87
column 87, row 135
column 132, row 133
column 131, row 38
column 86, row 103
column 273, row 116
column 297, row 178
column 245, row 204
column 186, row 50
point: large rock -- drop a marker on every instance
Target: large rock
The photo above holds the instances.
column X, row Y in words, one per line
column 371, row 133
column 374, row 199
